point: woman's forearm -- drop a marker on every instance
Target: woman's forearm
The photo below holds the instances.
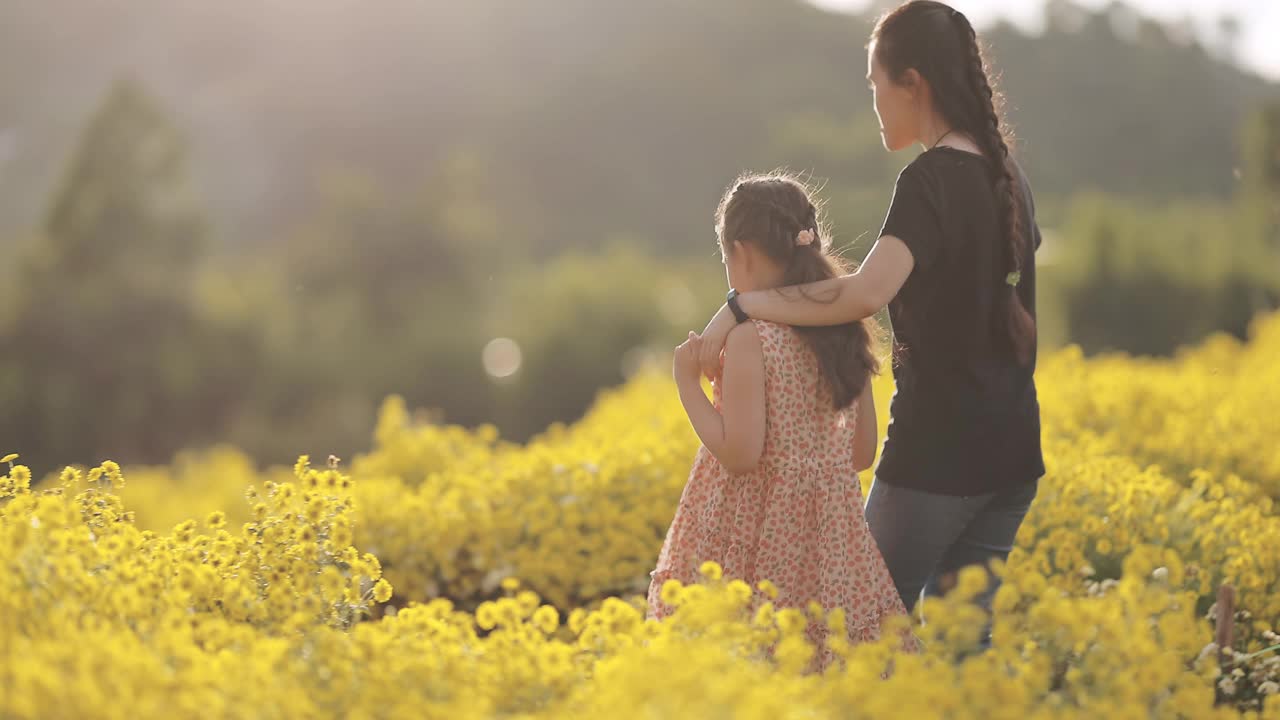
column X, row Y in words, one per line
column 828, row 302
column 839, row 300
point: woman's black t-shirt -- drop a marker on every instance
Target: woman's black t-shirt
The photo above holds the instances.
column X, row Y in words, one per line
column 965, row 417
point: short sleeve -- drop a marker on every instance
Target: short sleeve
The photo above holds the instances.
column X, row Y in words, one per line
column 1029, row 205
column 913, row 216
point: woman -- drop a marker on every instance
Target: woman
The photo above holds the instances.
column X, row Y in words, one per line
column 961, row 461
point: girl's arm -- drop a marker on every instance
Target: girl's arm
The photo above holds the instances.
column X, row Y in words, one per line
column 829, row 302
column 865, row 433
column 735, row 434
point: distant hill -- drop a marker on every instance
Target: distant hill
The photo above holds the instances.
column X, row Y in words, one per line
column 585, row 118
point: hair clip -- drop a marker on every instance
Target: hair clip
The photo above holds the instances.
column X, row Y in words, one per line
column 805, row 237
column 1013, row 278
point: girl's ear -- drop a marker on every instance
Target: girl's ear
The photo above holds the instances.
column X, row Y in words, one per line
column 747, row 253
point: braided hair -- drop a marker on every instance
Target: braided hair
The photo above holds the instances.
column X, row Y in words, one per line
column 940, row 43
column 770, row 212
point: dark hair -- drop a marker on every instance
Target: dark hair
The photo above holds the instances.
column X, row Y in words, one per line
column 769, row 212
column 940, row 44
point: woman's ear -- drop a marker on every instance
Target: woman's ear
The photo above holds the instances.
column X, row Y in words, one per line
column 914, row 83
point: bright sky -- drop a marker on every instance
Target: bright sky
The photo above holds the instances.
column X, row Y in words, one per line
column 1260, row 20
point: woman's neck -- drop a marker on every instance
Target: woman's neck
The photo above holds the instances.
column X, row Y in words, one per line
column 960, row 142
column 938, row 133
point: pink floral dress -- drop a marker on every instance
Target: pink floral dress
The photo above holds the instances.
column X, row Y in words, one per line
column 797, row 518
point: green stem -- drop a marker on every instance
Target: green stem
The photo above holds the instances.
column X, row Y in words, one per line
column 1250, row 656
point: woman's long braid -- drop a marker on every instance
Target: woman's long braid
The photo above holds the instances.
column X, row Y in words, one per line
column 1019, row 323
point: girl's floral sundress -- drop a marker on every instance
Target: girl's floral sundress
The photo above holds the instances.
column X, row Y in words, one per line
column 795, row 520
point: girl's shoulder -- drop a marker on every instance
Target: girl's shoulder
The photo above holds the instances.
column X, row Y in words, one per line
column 769, row 329
column 775, row 337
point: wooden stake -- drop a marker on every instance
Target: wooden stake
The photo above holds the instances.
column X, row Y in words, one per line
column 1226, row 620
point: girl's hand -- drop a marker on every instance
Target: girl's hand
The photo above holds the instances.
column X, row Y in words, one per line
column 713, row 339
column 685, row 364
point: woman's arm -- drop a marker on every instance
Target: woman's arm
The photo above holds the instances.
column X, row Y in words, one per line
column 865, row 432
column 839, row 300
column 735, row 434
column 829, row 302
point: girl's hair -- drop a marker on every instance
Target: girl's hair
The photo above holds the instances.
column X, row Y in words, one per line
column 769, row 212
column 940, row 44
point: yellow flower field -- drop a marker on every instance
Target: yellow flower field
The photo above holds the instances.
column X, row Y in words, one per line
column 446, row 573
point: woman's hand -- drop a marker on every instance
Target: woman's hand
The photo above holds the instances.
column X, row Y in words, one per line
column 685, row 363
column 713, row 340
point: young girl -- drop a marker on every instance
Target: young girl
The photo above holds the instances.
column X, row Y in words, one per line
column 955, row 263
column 773, row 494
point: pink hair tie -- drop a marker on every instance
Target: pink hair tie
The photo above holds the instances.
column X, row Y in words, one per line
column 805, row 237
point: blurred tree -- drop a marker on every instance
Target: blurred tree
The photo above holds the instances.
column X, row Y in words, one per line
column 583, row 321
column 106, row 355
column 386, row 293
column 1260, row 172
column 1150, row 278
column 487, row 151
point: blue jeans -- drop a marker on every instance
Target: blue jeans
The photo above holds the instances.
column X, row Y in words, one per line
column 924, row 537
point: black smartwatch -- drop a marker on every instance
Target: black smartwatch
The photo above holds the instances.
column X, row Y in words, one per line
column 734, row 307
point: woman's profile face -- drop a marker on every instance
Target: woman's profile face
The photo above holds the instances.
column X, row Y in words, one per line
column 895, row 105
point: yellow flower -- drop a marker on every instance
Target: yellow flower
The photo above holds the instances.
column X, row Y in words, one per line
column 183, row 531
column 837, row 621
column 382, row 591
column 1006, row 598
column 527, row 601
column 112, row 545
column 340, row 535
column 765, row 615
column 486, row 616
column 20, row 476
column 332, row 581
column 546, row 619
column 971, row 580
column 815, row 610
column 69, row 476
column 112, row 471
column 768, row 588
column 671, row 592
column 739, row 591
column 791, row 620
column 577, row 620
column 711, row 570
